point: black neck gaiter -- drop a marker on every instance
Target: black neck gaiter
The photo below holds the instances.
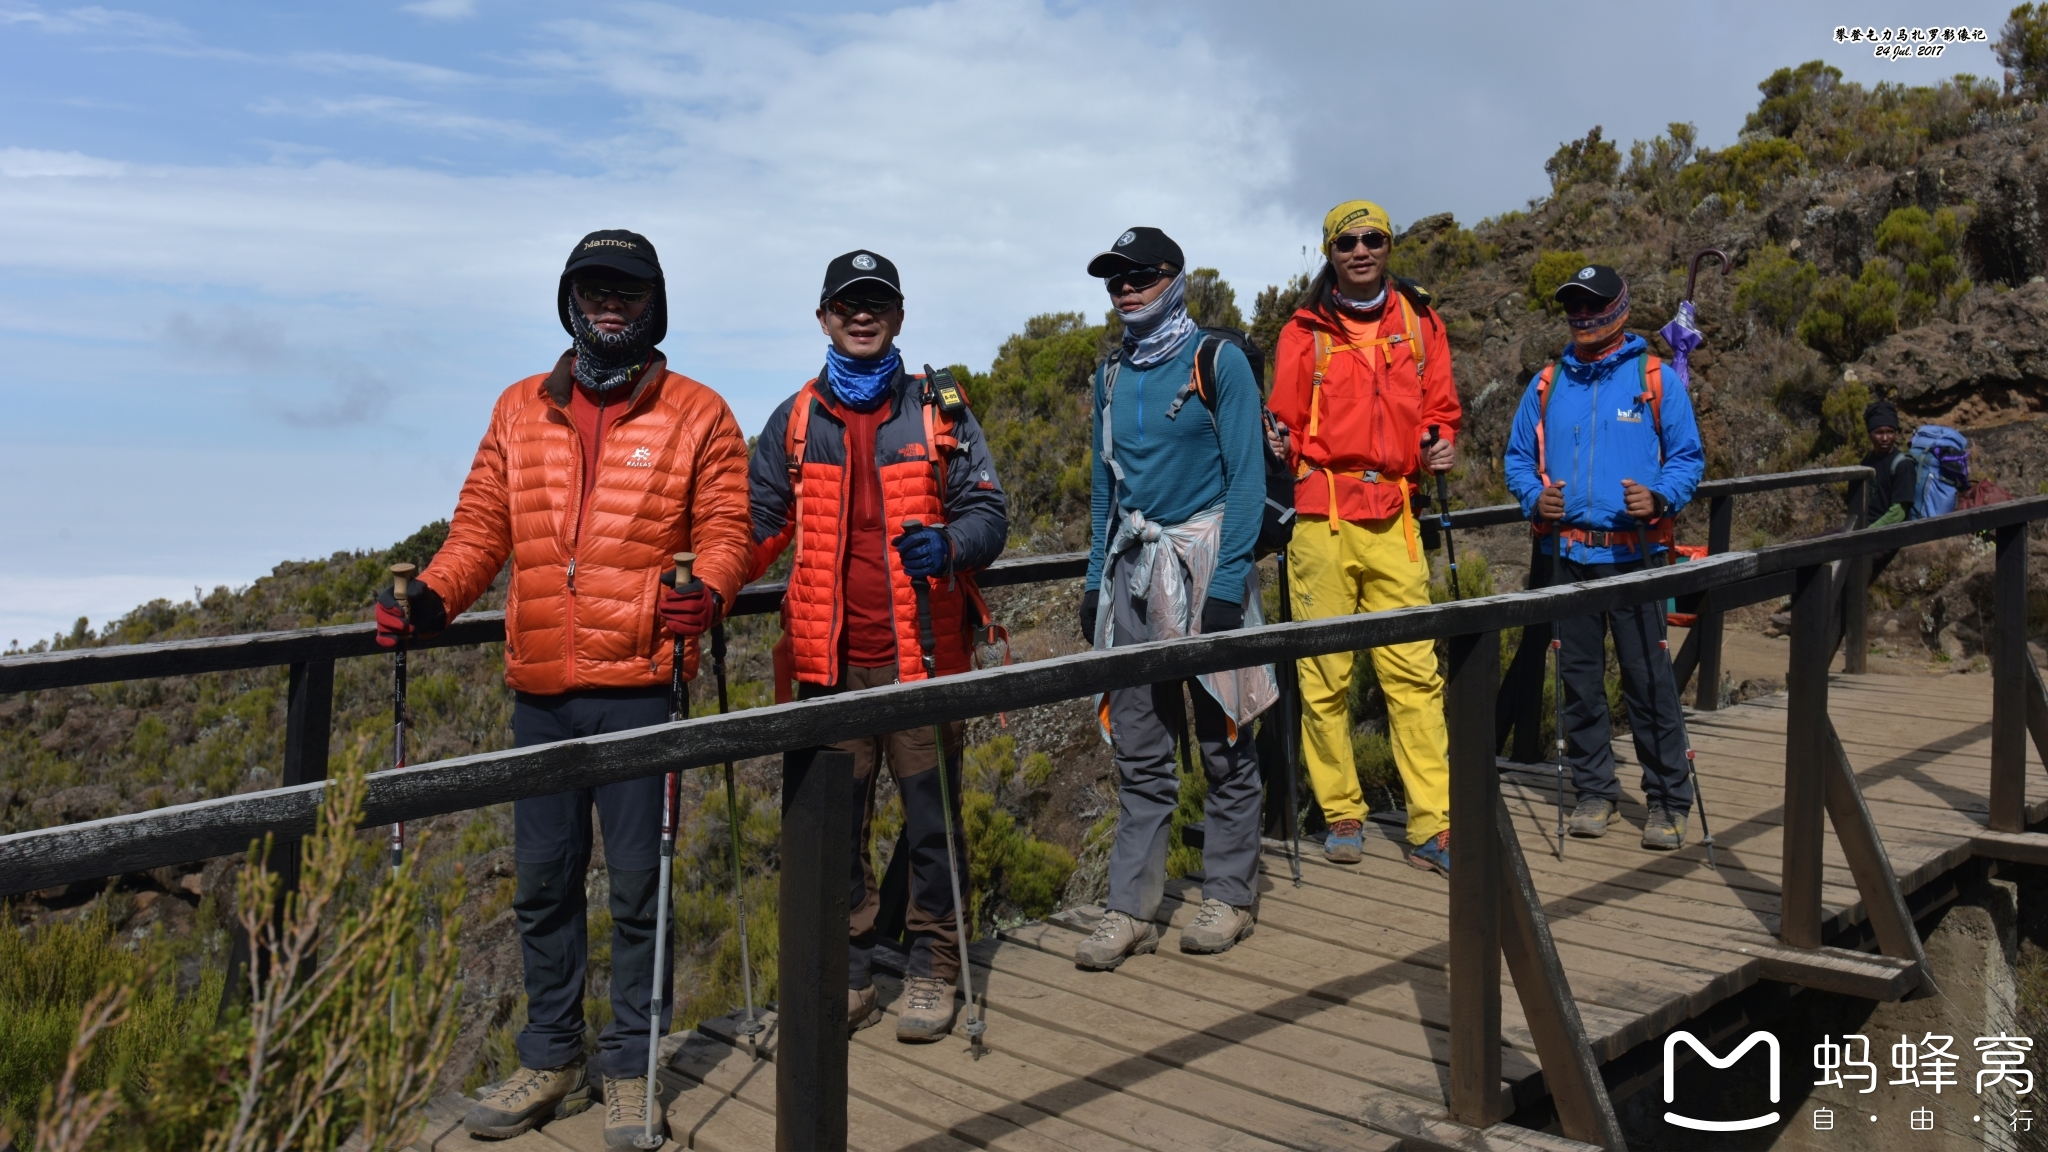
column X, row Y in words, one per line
column 605, row 361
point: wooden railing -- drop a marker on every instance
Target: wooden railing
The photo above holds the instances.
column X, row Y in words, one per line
column 1494, row 908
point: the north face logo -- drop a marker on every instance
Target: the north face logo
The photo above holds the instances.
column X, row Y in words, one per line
column 641, row 458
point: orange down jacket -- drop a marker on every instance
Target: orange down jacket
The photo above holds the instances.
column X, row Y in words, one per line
column 671, row 477
column 934, row 468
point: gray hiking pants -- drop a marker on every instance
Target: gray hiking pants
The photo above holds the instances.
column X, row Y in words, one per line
column 1143, row 724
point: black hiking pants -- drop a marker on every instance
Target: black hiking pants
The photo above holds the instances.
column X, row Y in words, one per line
column 551, row 846
column 1648, row 689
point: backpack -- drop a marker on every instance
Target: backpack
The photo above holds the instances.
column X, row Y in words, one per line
column 1276, row 525
column 1981, row 493
column 1941, row 456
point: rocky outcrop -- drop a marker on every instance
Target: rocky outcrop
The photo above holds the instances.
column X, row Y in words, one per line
column 1988, row 368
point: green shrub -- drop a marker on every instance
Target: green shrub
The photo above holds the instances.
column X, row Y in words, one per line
column 1841, row 422
column 1742, row 174
column 1436, row 250
column 1272, row 309
column 2022, row 50
column 1587, row 160
column 1211, row 301
column 1550, row 270
column 1924, row 251
column 1776, row 288
column 1789, row 98
column 1848, row 316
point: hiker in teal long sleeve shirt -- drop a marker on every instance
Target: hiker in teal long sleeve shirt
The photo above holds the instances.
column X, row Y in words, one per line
column 1180, row 488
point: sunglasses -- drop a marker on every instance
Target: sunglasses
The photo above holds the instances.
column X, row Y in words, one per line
column 847, row 307
column 1137, row 280
column 632, row 293
column 1373, row 241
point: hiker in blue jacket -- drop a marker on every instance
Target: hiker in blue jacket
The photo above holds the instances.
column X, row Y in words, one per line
column 1179, row 491
column 1605, row 452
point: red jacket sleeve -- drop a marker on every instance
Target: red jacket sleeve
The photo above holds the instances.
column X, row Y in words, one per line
column 721, row 530
column 1439, row 386
column 480, row 532
column 1294, row 369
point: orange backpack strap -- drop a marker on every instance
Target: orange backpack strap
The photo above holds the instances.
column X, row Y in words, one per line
column 1543, row 381
column 1414, row 331
column 799, row 428
column 1653, row 394
column 1315, row 386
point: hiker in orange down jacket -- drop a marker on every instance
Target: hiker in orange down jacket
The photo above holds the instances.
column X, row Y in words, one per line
column 840, row 466
column 1361, row 378
column 589, row 478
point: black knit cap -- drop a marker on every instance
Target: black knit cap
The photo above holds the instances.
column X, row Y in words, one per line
column 624, row 256
column 1882, row 414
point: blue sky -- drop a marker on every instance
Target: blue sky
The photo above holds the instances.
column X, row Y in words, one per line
column 263, row 268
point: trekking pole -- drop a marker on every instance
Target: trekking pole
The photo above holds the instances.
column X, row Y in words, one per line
column 679, row 709
column 1443, row 515
column 749, row 1027
column 1692, row 771
column 926, row 641
column 1290, row 728
column 1557, row 700
column 401, row 590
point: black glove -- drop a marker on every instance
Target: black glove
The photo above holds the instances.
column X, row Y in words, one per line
column 1221, row 616
column 1091, row 603
column 428, row 614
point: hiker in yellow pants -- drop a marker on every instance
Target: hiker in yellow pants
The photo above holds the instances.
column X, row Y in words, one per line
column 1362, row 378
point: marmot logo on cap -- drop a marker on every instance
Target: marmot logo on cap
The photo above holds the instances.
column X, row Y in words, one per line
column 626, row 244
column 1586, row 273
column 864, row 262
column 1124, row 239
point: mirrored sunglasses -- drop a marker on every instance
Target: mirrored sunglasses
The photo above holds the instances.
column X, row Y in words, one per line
column 1373, row 241
column 628, row 293
column 1136, row 279
column 847, row 307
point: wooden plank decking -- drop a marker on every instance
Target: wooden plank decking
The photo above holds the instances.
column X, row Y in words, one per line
column 1327, row 1028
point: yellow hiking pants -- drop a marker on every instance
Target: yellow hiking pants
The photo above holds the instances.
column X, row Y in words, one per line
column 1365, row 568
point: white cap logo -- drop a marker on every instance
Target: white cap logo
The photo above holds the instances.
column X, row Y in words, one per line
column 1124, row 239
column 1586, row 273
column 864, row 262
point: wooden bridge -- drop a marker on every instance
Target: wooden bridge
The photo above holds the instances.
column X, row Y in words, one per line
column 1329, row 1028
column 1371, row 1009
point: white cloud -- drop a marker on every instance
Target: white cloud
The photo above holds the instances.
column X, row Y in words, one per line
column 441, row 9
column 31, row 162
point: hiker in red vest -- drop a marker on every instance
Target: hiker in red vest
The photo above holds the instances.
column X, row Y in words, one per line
column 589, row 479
column 1603, row 454
column 839, row 468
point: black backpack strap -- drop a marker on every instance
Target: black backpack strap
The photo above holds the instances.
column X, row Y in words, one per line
column 1202, row 380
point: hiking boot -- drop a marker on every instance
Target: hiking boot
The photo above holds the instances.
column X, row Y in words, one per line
column 1346, row 842
column 861, row 1008
column 1217, row 928
column 1433, row 854
column 1593, row 815
column 1665, row 830
column 1120, row 935
column 625, row 1112
column 526, row 1098
column 927, row 1010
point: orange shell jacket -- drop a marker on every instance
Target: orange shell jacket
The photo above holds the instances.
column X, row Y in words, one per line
column 932, row 467
column 1364, row 409
column 671, row 477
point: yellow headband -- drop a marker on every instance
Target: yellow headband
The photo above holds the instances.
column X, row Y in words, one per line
column 1355, row 214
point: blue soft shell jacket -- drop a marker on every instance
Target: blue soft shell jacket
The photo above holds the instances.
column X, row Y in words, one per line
column 1599, row 431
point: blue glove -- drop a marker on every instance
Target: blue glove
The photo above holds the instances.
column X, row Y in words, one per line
column 925, row 552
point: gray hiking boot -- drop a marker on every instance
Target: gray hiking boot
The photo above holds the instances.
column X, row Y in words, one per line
column 526, row 1098
column 927, row 1010
column 625, row 1112
column 1120, row 935
column 1665, row 830
column 861, row 1008
column 1217, row 928
column 1593, row 815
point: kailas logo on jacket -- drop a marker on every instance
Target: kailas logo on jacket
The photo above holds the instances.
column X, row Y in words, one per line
column 641, row 458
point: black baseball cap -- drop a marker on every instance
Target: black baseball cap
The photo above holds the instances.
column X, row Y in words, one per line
column 859, row 266
column 1594, row 280
column 1136, row 248
column 625, row 254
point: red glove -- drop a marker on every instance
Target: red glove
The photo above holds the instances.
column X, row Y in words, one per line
column 690, row 611
column 429, row 615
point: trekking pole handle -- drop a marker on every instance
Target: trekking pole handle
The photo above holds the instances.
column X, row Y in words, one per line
column 401, row 587
column 684, row 562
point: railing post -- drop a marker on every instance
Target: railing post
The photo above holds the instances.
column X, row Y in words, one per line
column 1856, row 594
column 308, row 726
column 817, row 849
column 1720, row 523
column 2009, row 683
column 1475, row 880
column 1518, row 709
column 1806, row 729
